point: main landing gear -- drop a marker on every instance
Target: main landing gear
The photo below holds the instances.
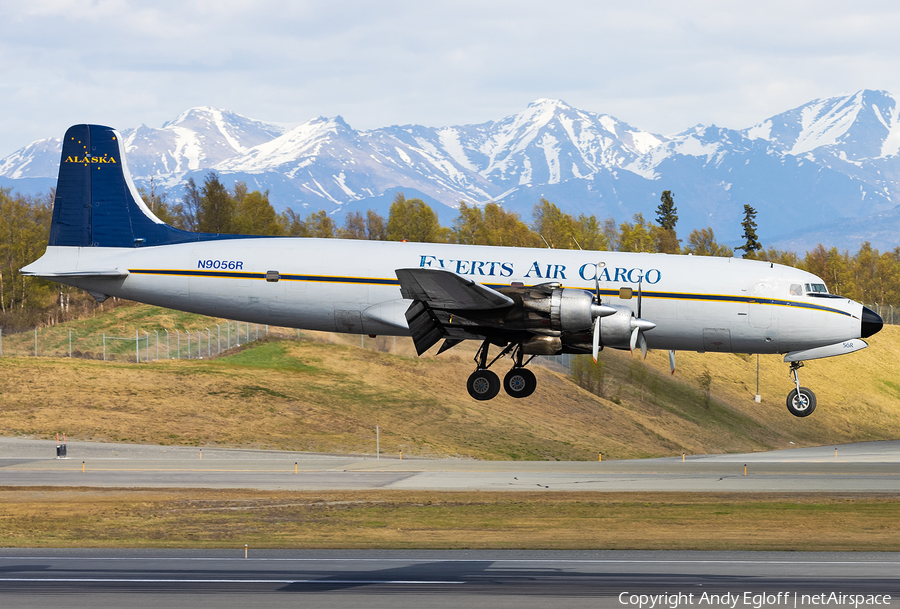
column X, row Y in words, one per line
column 483, row 384
column 801, row 402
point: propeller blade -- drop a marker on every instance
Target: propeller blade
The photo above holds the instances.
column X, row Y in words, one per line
column 596, row 344
column 640, row 292
column 634, row 338
column 672, row 360
column 643, row 340
column 599, row 266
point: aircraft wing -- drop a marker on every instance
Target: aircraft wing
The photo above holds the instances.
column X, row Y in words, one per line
column 437, row 293
column 440, row 289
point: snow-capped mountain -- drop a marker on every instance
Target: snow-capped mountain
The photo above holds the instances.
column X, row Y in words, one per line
column 197, row 139
column 831, row 160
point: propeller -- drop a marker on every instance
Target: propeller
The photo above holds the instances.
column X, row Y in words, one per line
column 598, row 310
column 639, row 326
column 672, row 360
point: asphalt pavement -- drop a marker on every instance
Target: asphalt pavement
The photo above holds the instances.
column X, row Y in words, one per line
column 398, row 579
column 870, row 467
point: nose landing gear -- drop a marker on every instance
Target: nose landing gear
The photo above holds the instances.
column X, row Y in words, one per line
column 801, row 402
column 519, row 382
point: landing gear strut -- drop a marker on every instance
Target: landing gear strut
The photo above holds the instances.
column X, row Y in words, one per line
column 801, row 402
column 483, row 384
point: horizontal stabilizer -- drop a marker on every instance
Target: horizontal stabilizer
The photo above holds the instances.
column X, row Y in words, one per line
column 446, row 290
column 112, row 273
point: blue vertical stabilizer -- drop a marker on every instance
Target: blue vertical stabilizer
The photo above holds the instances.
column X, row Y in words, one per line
column 97, row 204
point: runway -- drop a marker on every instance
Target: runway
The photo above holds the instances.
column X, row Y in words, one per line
column 397, row 579
column 862, row 467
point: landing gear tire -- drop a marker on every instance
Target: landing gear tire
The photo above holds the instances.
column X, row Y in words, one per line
column 519, row 382
column 483, row 385
column 801, row 404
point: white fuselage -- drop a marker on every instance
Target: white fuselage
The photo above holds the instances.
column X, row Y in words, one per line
column 697, row 303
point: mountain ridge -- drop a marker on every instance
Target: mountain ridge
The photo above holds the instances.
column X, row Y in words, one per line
column 824, row 163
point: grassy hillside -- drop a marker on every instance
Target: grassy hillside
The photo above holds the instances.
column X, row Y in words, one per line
column 312, row 394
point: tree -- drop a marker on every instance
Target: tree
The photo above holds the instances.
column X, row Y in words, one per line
column 354, row 226
column 589, row 375
column 590, row 234
column 554, row 226
column 611, row 234
column 187, row 213
column 491, row 225
column 158, row 204
column 778, row 256
column 414, row 220
column 217, row 207
column 376, row 229
column 254, row 214
column 24, row 229
column 751, row 243
column 703, row 243
column 667, row 217
column 637, row 237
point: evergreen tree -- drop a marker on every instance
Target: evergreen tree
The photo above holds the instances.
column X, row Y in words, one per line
column 666, row 217
column 751, row 243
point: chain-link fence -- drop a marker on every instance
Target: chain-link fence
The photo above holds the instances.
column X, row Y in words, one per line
column 140, row 344
column 886, row 312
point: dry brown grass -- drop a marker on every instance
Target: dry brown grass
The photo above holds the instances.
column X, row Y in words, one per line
column 315, row 396
column 92, row 517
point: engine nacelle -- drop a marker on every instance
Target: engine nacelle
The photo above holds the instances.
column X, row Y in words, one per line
column 556, row 310
column 615, row 330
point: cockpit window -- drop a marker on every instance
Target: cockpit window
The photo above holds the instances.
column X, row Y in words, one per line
column 796, row 289
column 817, row 288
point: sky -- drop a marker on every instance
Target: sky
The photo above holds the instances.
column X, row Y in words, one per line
column 661, row 66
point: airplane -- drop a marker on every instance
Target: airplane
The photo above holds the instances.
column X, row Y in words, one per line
column 523, row 301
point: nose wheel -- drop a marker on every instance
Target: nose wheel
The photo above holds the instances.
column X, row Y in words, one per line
column 801, row 402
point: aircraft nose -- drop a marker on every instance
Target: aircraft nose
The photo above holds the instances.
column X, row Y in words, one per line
column 871, row 323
